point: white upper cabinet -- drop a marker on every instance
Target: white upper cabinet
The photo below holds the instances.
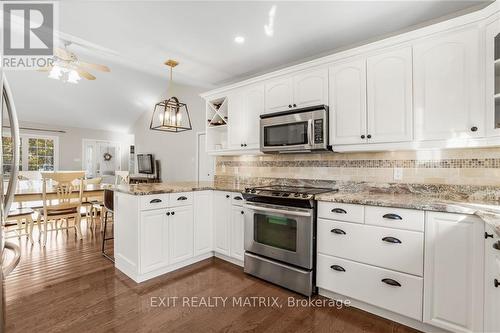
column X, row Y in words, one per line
column 310, row 88
column 454, row 272
column 389, row 96
column 348, row 102
column 253, row 99
column 279, row 94
column 236, row 115
column 304, row 89
column 493, row 78
column 447, row 86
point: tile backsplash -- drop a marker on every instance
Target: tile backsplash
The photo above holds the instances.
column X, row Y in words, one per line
column 479, row 166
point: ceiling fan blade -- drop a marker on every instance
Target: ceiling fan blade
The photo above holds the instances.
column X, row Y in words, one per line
column 85, row 74
column 98, row 67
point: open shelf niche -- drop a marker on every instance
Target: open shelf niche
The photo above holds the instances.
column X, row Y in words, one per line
column 216, row 123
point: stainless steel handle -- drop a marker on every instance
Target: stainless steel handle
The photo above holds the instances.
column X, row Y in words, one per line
column 14, row 129
column 275, row 210
column 310, row 135
column 17, row 257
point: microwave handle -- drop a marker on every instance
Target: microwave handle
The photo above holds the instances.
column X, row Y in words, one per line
column 310, row 135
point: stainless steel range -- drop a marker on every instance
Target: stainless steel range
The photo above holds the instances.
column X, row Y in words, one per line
column 280, row 235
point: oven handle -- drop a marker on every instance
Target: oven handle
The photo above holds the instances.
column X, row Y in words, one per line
column 274, row 210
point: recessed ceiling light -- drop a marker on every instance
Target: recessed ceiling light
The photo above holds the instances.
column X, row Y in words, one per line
column 239, row 39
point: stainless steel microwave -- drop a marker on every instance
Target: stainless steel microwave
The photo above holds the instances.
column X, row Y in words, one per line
column 295, row 131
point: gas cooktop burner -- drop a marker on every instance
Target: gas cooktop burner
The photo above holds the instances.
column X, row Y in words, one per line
column 293, row 192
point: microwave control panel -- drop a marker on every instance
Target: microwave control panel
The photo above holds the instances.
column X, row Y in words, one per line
column 318, row 131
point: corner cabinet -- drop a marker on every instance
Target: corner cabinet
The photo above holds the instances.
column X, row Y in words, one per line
column 306, row 88
column 493, row 78
column 448, row 87
column 222, row 219
column 454, row 272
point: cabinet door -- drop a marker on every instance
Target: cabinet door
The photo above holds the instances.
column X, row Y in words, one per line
column 454, row 272
column 492, row 62
column 253, row 98
column 348, row 102
column 310, row 88
column 278, row 95
column 181, row 233
column 236, row 119
column 389, row 96
column 154, row 253
column 203, row 228
column 492, row 280
column 237, row 227
column 447, row 86
column 222, row 216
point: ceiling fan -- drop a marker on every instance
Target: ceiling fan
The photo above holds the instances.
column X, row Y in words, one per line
column 69, row 68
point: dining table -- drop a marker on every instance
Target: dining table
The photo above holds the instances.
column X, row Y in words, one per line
column 32, row 190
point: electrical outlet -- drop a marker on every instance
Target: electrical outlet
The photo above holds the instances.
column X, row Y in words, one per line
column 398, row 173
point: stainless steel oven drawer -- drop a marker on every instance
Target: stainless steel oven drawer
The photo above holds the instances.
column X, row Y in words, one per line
column 298, row 280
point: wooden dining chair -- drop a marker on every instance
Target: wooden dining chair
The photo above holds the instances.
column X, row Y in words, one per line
column 68, row 187
column 92, row 205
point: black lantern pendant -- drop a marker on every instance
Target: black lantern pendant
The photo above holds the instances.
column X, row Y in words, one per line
column 171, row 115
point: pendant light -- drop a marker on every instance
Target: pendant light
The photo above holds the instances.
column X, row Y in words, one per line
column 170, row 115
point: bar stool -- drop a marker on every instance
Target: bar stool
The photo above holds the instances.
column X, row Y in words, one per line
column 109, row 208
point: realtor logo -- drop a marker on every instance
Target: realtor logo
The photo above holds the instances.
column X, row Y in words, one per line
column 28, row 34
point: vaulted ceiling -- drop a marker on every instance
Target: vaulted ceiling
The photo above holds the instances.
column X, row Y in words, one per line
column 134, row 38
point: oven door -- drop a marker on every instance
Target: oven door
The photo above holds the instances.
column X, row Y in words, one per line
column 280, row 233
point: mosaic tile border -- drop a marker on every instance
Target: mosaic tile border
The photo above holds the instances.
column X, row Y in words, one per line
column 458, row 163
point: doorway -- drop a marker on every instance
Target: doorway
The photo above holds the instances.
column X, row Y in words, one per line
column 101, row 159
column 205, row 166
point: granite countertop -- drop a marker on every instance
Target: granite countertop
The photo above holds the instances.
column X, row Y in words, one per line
column 412, row 201
column 174, row 187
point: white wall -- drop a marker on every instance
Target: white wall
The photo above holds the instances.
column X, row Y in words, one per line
column 70, row 143
column 176, row 151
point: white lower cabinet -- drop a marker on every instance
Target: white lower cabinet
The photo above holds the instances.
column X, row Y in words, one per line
column 222, row 219
column 454, row 272
column 431, row 268
column 228, row 224
column 203, row 227
column 153, row 240
column 237, row 229
column 492, row 282
column 394, row 291
column 180, row 240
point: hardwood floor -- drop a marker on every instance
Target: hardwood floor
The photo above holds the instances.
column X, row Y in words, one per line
column 69, row 286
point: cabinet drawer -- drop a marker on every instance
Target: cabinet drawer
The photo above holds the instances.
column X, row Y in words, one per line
column 341, row 212
column 154, row 201
column 400, row 250
column 236, row 199
column 397, row 292
column 400, row 218
column 181, row 199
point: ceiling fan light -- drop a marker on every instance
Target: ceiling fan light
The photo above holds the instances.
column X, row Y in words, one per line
column 73, row 77
column 55, row 73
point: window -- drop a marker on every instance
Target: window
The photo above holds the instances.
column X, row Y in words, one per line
column 40, row 153
column 7, row 153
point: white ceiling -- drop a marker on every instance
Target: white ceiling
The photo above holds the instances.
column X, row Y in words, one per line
column 139, row 36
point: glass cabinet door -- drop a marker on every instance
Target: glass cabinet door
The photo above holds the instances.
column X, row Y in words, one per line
column 493, row 77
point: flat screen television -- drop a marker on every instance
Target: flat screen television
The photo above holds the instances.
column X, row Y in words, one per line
column 145, row 163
